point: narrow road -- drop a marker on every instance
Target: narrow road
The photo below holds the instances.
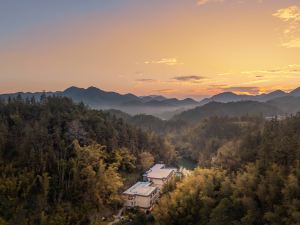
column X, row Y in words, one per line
column 117, row 217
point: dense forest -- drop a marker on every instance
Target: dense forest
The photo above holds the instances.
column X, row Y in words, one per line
column 254, row 179
column 62, row 163
column 232, row 109
column 248, row 171
column 213, row 135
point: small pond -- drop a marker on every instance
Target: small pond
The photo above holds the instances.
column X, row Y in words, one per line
column 186, row 163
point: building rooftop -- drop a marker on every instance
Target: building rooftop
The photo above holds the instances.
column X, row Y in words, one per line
column 159, row 171
column 140, row 188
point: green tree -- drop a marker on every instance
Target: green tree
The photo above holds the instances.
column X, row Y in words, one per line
column 146, row 160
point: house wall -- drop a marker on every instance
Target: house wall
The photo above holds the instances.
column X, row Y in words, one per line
column 129, row 200
column 161, row 182
column 145, row 202
column 157, row 182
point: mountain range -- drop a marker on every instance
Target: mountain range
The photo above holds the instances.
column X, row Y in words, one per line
column 129, row 103
column 226, row 97
column 279, row 106
column 226, row 103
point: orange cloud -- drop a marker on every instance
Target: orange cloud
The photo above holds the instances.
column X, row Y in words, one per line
column 145, row 80
column 165, row 91
column 289, row 13
column 293, row 43
column 290, row 69
column 165, row 61
column 203, row 2
column 243, row 90
column 291, row 16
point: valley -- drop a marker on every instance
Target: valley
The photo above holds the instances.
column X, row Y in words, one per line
column 76, row 162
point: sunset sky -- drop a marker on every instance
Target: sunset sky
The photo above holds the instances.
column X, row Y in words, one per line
column 180, row 48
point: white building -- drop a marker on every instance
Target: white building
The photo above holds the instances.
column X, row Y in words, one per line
column 145, row 194
column 141, row 195
column 159, row 175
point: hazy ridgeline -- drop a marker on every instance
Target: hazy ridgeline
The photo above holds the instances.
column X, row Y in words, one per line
column 223, row 104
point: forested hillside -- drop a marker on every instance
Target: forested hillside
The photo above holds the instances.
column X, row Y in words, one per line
column 232, row 109
column 254, row 179
column 62, row 163
column 151, row 123
column 201, row 142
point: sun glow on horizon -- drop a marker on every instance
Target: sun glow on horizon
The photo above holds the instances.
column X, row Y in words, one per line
column 174, row 48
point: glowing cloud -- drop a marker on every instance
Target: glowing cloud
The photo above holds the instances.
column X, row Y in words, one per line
column 289, row 13
column 165, row 91
column 295, row 68
column 290, row 69
column 294, row 43
column 145, row 80
column 291, row 16
column 203, row 2
column 165, row 61
column 243, row 90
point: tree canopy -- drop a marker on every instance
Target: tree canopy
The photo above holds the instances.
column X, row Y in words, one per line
column 62, row 163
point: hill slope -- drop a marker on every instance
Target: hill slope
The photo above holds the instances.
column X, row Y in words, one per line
column 228, row 109
column 62, row 163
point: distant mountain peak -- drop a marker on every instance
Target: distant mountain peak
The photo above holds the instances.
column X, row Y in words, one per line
column 295, row 92
column 95, row 89
column 152, row 97
column 189, row 101
column 232, row 97
column 92, row 88
column 278, row 91
column 226, row 93
column 72, row 88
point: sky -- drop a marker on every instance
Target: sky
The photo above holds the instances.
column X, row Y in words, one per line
column 176, row 48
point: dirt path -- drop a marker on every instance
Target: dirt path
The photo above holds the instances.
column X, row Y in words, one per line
column 117, row 217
